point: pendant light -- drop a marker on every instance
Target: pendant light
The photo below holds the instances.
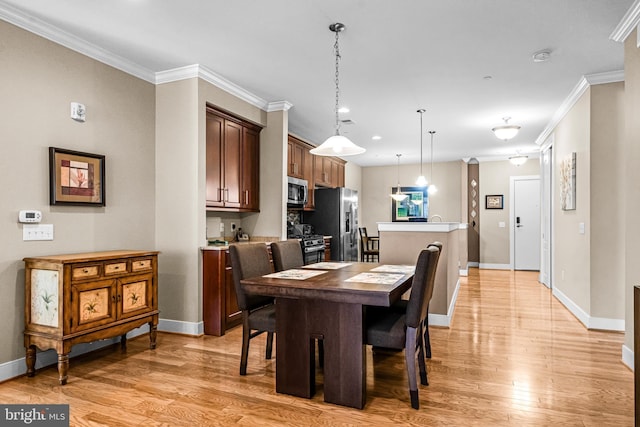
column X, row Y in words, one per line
column 421, row 181
column 337, row 145
column 398, row 196
column 506, row 131
column 432, row 189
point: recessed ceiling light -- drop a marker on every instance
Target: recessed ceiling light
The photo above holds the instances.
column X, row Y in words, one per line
column 376, row 137
column 343, row 110
column 542, row 55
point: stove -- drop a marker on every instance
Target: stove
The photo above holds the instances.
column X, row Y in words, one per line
column 312, row 247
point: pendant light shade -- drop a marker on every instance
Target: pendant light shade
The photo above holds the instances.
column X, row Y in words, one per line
column 337, row 145
column 422, row 180
column 506, row 131
column 398, row 196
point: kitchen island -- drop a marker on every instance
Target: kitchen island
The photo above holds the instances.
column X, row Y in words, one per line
column 401, row 242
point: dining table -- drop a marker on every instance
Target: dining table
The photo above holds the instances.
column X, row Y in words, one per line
column 327, row 301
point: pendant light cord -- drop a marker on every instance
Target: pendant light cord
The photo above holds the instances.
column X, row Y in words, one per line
column 431, row 169
column 336, row 47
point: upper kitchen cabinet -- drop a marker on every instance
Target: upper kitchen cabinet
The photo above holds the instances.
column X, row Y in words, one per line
column 299, row 159
column 328, row 171
column 233, row 159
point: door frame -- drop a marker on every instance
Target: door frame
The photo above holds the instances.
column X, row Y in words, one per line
column 512, row 214
column 547, row 192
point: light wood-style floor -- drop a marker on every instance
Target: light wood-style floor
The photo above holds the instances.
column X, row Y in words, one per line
column 513, row 356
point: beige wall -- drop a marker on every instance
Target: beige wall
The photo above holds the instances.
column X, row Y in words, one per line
column 378, row 181
column 495, row 178
column 40, row 80
column 631, row 192
column 607, row 214
column 571, row 250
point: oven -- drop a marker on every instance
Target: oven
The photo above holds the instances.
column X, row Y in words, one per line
column 312, row 248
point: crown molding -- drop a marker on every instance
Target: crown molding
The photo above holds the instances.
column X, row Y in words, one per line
column 579, row 89
column 279, row 106
column 56, row 35
column 197, row 70
column 627, row 24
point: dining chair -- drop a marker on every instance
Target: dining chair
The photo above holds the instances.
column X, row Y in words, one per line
column 258, row 312
column 286, row 255
column 401, row 306
column 368, row 247
column 403, row 331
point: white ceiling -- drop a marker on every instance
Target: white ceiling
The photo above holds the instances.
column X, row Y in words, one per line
column 397, row 56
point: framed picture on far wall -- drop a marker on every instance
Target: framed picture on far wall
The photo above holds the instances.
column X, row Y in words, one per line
column 75, row 178
column 494, row 201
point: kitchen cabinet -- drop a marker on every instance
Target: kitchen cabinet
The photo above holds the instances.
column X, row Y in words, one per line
column 300, row 164
column 328, row 171
column 219, row 303
column 79, row 298
column 232, row 163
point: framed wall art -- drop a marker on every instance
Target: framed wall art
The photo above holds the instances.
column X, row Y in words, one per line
column 75, row 178
column 494, row 201
column 568, row 182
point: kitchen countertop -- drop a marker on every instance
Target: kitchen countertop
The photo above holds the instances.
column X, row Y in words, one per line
column 225, row 247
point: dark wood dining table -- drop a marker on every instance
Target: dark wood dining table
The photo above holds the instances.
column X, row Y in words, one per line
column 329, row 306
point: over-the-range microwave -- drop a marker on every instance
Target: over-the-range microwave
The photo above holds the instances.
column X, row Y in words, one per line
column 298, row 191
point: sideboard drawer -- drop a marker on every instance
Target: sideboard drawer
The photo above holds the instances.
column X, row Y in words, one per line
column 141, row 265
column 85, row 272
column 115, row 268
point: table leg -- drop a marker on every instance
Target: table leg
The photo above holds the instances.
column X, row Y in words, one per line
column 341, row 326
column 294, row 358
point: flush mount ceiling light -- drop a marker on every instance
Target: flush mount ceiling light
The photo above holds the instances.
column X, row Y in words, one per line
column 337, row 145
column 506, row 131
column 542, row 55
column 398, row 196
column 518, row 160
column 421, row 181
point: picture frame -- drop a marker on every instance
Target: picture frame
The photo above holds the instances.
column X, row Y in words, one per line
column 76, row 178
column 414, row 208
column 494, row 201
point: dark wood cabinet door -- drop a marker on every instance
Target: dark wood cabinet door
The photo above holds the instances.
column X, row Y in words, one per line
column 232, row 164
column 250, row 169
column 215, row 140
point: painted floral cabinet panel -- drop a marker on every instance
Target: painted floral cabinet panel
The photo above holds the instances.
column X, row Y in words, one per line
column 45, row 297
column 93, row 304
column 136, row 295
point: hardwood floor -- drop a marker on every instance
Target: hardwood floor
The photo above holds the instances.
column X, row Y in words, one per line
column 513, row 356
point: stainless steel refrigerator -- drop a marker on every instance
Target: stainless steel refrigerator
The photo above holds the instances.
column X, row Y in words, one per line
column 336, row 215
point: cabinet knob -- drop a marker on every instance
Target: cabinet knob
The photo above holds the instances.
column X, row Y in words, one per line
column 85, row 270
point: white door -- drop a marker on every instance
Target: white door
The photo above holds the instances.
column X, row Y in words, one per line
column 527, row 224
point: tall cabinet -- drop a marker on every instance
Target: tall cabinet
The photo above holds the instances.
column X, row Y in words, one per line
column 233, row 163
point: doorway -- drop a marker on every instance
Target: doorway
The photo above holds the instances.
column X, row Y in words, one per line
column 525, row 222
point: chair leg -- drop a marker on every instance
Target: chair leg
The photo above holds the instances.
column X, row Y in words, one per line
column 421, row 363
column 246, row 336
column 269, row 345
column 410, row 361
column 427, row 339
column 321, row 353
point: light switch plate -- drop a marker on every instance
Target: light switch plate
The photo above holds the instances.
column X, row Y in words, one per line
column 37, row 232
column 502, row 224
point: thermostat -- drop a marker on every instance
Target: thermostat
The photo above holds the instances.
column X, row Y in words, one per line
column 30, row 216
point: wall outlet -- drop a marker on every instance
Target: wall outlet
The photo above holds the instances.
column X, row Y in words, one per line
column 222, row 227
column 502, row 224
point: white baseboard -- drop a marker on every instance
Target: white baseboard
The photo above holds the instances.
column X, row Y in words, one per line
column 588, row 321
column 464, row 273
column 15, row 368
column 496, row 266
column 627, row 357
column 445, row 320
column 473, row 264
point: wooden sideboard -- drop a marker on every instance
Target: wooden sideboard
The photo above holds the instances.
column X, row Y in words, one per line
column 79, row 298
